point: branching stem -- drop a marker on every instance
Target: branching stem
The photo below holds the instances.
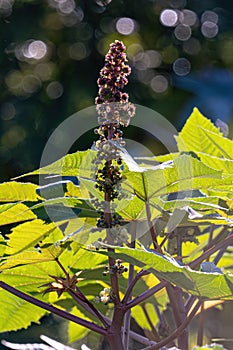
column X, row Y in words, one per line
column 132, row 284
column 177, row 332
column 127, row 318
column 147, row 294
column 200, row 326
column 89, row 325
column 153, row 329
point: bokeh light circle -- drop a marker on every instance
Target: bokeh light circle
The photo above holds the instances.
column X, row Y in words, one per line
column 182, row 66
column 125, row 25
column 182, row 32
column 210, row 16
column 54, row 90
column 209, row 29
column 188, row 17
column 159, row 84
column 37, row 49
column 169, row 18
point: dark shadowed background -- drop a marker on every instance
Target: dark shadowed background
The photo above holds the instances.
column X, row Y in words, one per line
column 181, row 54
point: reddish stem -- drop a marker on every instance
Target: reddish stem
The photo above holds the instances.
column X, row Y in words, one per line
column 89, row 325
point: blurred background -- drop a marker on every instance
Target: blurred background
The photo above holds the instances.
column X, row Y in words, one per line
column 51, row 51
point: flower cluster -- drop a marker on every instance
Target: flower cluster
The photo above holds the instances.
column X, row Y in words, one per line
column 112, row 103
column 114, row 110
column 105, row 296
column 113, row 75
column 117, row 268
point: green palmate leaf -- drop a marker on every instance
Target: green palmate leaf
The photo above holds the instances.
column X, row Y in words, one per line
column 17, row 313
column 47, row 252
column 213, row 219
column 193, row 133
column 83, row 206
column 199, row 134
column 75, row 331
column 75, row 224
column 187, row 216
column 33, row 257
column 135, row 209
column 89, row 185
column 82, row 259
column 15, row 212
column 226, row 261
column 205, row 285
column 140, row 317
column 80, row 230
column 91, row 289
column 27, row 235
column 191, row 250
column 76, row 191
column 30, row 278
column 75, row 164
column 164, row 158
column 4, row 207
column 198, row 203
column 224, row 164
column 16, row 191
column 186, row 174
column 2, row 246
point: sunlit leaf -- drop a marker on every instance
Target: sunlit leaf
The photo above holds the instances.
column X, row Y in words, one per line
column 206, row 285
column 140, row 317
column 75, row 331
column 82, row 206
column 10, row 213
column 27, row 235
column 199, row 134
column 30, row 257
column 75, row 164
column 16, row 191
column 84, row 260
column 17, row 313
column 187, row 173
column 30, row 278
column 2, row 245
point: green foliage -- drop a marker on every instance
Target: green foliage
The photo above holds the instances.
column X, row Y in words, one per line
column 27, row 235
column 16, row 191
column 204, row 285
column 76, row 164
column 200, row 172
column 200, row 135
column 17, row 313
column 76, row 331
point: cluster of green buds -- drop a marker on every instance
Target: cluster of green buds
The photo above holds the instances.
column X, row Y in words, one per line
column 108, row 179
column 117, row 268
